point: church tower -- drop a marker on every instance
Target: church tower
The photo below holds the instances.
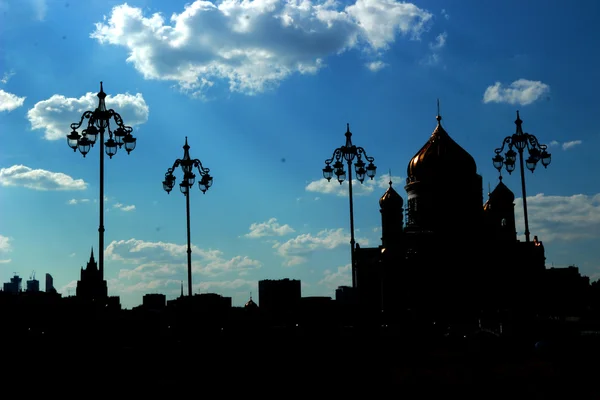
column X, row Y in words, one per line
column 445, row 193
column 392, row 215
column 499, row 215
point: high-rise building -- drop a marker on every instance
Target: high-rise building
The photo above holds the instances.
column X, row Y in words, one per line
column 50, row 284
column 33, row 285
column 91, row 286
column 14, row 286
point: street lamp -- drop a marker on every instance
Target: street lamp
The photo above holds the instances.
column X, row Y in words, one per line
column 537, row 152
column 189, row 178
column 98, row 123
column 349, row 153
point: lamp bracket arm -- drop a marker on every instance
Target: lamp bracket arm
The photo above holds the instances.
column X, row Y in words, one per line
column 87, row 114
column 507, row 141
column 176, row 164
column 360, row 152
column 201, row 169
column 532, row 141
column 337, row 155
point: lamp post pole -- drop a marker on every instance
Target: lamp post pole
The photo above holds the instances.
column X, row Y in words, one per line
column 521, row 141
column 98, row 123
column 187, row 165
column 349, row 153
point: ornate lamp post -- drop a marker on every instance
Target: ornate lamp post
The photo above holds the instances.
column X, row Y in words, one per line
column 349, row 153
column 98, row 123
column 189, row 178
column 536, row 151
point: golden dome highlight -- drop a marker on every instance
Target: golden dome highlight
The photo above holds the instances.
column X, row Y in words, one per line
column 440, row 155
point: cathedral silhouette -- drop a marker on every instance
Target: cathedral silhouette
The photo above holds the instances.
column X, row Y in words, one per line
column 448, row 255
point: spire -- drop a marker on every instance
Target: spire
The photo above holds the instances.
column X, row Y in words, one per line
column 92, row 255
column 438, row 117
column 390, row 172
column 181, row 288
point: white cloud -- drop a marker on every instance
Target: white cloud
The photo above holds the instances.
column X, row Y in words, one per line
column 376, row 65
column 253, row 45
column 439, row 42
column 521, row 92
column 39, row 179
column 269, row 228
column 68, row 289
column 6, row 77
column 123, row 207
column 161, row 259
column 566, row 145
column 9, row 101
column 56, row 114
column 435, row 47
column 5, row 247
column 77, row 201
column 561, row 218
column 297, row 250
column 445, row 14
column 358, row 189
column 334, row 279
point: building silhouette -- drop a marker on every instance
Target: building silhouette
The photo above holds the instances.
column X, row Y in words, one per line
column 49, row 284
column 279, row 295
column 33, row 285
column 91, row 285
column 14, row 286
column 447, row 254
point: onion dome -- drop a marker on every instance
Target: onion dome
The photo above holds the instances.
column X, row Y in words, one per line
column 251, row 304
column 390, row 198
column 440, row 155
column 502, row 194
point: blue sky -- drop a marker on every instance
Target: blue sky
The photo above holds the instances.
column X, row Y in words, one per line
column 263, row 90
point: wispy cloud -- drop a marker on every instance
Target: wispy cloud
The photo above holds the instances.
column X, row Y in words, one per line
column 268, row 228
column 6, row 77
column 123, row 207
column 566, row 145
column 376, row 65
column 436, row 47
column 40, row 8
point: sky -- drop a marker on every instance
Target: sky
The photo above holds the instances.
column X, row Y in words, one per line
column 263, row 91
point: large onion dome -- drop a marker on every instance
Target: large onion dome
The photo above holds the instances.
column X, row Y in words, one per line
column 441, row 155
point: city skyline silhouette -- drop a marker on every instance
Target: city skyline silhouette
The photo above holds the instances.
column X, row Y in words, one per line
column 379, row 196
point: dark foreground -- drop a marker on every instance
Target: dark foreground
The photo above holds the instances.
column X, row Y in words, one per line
column 286, row 365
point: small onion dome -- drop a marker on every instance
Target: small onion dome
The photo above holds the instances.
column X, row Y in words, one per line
column 502, row 194
column 250, row 304
column 441, row 154
column 390, row 198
